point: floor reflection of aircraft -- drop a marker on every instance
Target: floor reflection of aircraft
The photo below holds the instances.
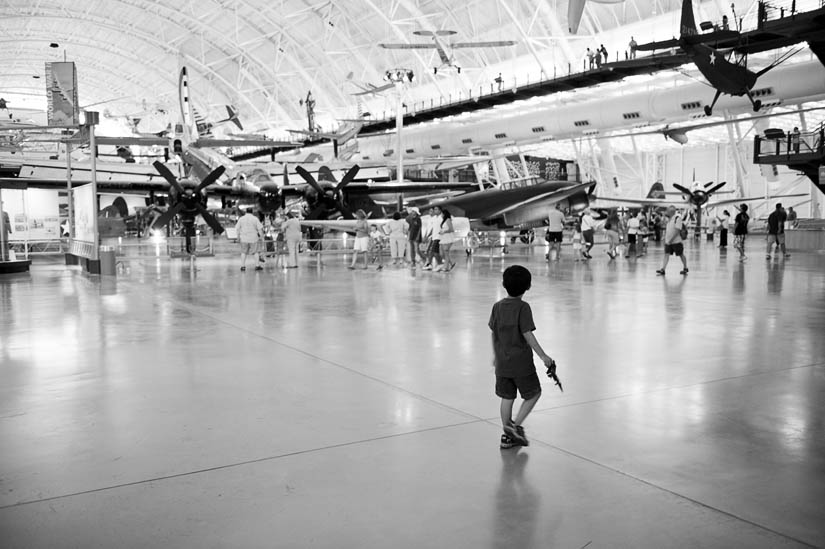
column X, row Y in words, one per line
column 447, row 60
column 731, row 78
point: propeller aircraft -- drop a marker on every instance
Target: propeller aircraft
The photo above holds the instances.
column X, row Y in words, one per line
column 447, row 60
column 728, row 77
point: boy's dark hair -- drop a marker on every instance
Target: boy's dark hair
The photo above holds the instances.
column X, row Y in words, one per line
column 516, row 280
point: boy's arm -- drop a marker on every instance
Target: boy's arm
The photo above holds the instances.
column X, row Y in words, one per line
column 534, row 344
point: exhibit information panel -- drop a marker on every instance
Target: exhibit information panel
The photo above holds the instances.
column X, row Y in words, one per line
column 61, row 93
column 85, row 209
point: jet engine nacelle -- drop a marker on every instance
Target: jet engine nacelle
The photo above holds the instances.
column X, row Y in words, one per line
column 578, row 202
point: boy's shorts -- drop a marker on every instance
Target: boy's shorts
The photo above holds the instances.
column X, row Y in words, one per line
column 528, row 386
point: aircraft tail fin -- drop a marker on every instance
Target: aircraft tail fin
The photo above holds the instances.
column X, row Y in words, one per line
column 657, row 190
column 688, row 25
column 190, row 129
column 232, row 116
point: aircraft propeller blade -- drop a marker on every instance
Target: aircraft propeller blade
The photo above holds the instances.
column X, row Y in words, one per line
column 209, row 218
column 167, row 216
column 209, row 179
column 348, row 177
column 168, row 176
column 682, row 189
column 716, row 188
column 309, row 179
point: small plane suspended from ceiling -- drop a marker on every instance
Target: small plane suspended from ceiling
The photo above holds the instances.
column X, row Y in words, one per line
column 731, row 78
column 447, row 60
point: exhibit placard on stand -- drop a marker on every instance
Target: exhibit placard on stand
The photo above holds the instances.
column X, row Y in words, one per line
column 84, row 244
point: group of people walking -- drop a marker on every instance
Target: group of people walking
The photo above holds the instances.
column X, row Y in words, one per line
column 252, row 237
column 410, row 238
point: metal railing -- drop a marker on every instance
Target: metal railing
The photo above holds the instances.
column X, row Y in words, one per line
column 790, row 145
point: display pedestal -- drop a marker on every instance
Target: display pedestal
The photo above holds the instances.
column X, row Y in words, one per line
column 91, row 266
column 9, row 267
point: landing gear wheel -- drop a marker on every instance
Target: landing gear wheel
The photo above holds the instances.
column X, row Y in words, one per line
column 708, row 110
column 757, row 105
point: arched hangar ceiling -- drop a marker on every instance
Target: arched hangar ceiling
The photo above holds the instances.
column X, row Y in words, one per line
column 263, row 56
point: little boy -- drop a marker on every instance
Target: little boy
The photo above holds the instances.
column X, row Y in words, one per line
column 513, row 344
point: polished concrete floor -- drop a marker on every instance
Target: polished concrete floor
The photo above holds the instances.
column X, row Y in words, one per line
column 335, row 408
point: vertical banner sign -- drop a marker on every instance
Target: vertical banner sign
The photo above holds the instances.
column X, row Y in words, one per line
column 85, row 208
column 61, row 93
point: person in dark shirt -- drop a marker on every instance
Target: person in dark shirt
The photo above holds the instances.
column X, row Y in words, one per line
column 511, row 322
column 776, row 231
column 414, row 235
column 740, row 231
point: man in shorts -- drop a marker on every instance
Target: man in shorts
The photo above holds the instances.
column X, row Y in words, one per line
column 250, row 232
column 589, row 226
column 673, row 240
column 776, row 231
column 555, row 230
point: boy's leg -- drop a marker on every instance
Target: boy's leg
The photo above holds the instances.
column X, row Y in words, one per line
column 525, row 409
column 506, row 411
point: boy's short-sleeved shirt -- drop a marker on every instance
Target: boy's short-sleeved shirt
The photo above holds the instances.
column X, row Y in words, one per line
column 510, row 319
column 741, row 224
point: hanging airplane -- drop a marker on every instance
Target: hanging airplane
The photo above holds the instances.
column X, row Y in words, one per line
column 447, row 60
column 731, row 78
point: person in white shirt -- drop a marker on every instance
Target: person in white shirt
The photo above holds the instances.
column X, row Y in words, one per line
column 673, row 240
column 589, row 225
column 292, row 235
column 555, row 230
column 633, row 225
column 723, row 229
column 397, row 229
column 250, row 232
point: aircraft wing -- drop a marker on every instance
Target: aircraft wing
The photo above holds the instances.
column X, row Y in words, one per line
column 212, row 142
column 111, row 176
column 639, row 202
column 374, row 89
column 678, row 132
column 552, row 196
column 421, row 46
column 661, row 45
column 131, row 140
column 494, row 44
column 390, row 187
column 753, row 199
column 495, row 202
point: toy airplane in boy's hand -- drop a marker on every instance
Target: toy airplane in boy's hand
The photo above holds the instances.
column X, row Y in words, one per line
column 551, row 373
